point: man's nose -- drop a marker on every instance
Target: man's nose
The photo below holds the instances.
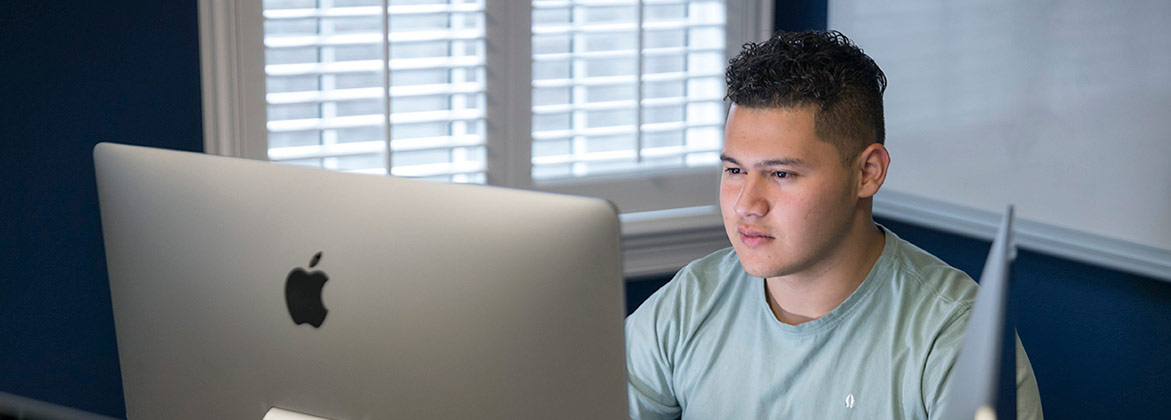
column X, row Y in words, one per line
column 752, row 202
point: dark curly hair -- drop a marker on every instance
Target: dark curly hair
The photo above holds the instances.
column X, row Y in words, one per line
column 822, row 69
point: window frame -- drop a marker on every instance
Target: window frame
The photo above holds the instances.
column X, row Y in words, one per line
column 659, row 208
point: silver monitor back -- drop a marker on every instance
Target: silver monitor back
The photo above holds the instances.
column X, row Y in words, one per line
column 987, row 358
column 443, row 300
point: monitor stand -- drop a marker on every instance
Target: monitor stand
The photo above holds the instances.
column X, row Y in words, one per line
column 277, row 413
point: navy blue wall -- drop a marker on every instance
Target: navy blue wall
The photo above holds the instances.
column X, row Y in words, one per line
column 800, row 15
column 1097, row 338
column 72, row 74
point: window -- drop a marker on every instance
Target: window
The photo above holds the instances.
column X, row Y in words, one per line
column 619, row 99
column 593, row 115
column 327, row 105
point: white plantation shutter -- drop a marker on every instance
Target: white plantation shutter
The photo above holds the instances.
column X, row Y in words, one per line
column 619, row 99
column 625, row 85
column 327, row 70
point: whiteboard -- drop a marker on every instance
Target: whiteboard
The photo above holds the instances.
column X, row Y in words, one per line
column 1062, row 108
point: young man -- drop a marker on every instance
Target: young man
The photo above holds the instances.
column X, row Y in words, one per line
column 815, row 312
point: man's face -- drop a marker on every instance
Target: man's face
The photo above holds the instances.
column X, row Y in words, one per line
column 786, row 199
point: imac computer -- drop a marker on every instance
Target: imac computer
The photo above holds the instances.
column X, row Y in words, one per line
column 245, row 289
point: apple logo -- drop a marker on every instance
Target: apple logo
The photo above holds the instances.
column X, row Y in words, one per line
column 303, row 294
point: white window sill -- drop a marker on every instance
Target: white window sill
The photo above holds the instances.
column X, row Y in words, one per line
column 659, row 243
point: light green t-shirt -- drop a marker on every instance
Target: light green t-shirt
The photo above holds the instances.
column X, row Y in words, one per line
column 707, row 346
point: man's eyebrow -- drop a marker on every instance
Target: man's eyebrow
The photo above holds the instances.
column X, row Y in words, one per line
column 782, row 162
column 770, row 162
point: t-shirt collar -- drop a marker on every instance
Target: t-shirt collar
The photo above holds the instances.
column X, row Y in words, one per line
column 879, row 273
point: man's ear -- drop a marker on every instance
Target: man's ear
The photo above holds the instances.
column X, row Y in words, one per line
column 871, row 164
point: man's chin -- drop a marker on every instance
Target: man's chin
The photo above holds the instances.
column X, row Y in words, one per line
column 757, row 268
column 766, row 268
column 758, row 273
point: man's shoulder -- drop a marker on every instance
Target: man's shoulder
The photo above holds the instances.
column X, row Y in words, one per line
column 717, row 264
column 925, row 279
column 709, row 276
column 697, row 285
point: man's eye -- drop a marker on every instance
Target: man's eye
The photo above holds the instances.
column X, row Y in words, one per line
column 783, row 174
column 732, row 171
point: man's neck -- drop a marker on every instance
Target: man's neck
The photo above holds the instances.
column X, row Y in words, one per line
column 813, row 293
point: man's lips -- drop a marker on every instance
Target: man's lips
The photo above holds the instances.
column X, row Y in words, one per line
column 753, row 237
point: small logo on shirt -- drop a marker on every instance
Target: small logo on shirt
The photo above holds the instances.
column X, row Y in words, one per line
column 850, row 401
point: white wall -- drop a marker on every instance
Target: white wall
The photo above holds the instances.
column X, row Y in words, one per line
column 1061, row 107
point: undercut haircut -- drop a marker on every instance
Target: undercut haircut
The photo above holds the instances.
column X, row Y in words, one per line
column 819, row 69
